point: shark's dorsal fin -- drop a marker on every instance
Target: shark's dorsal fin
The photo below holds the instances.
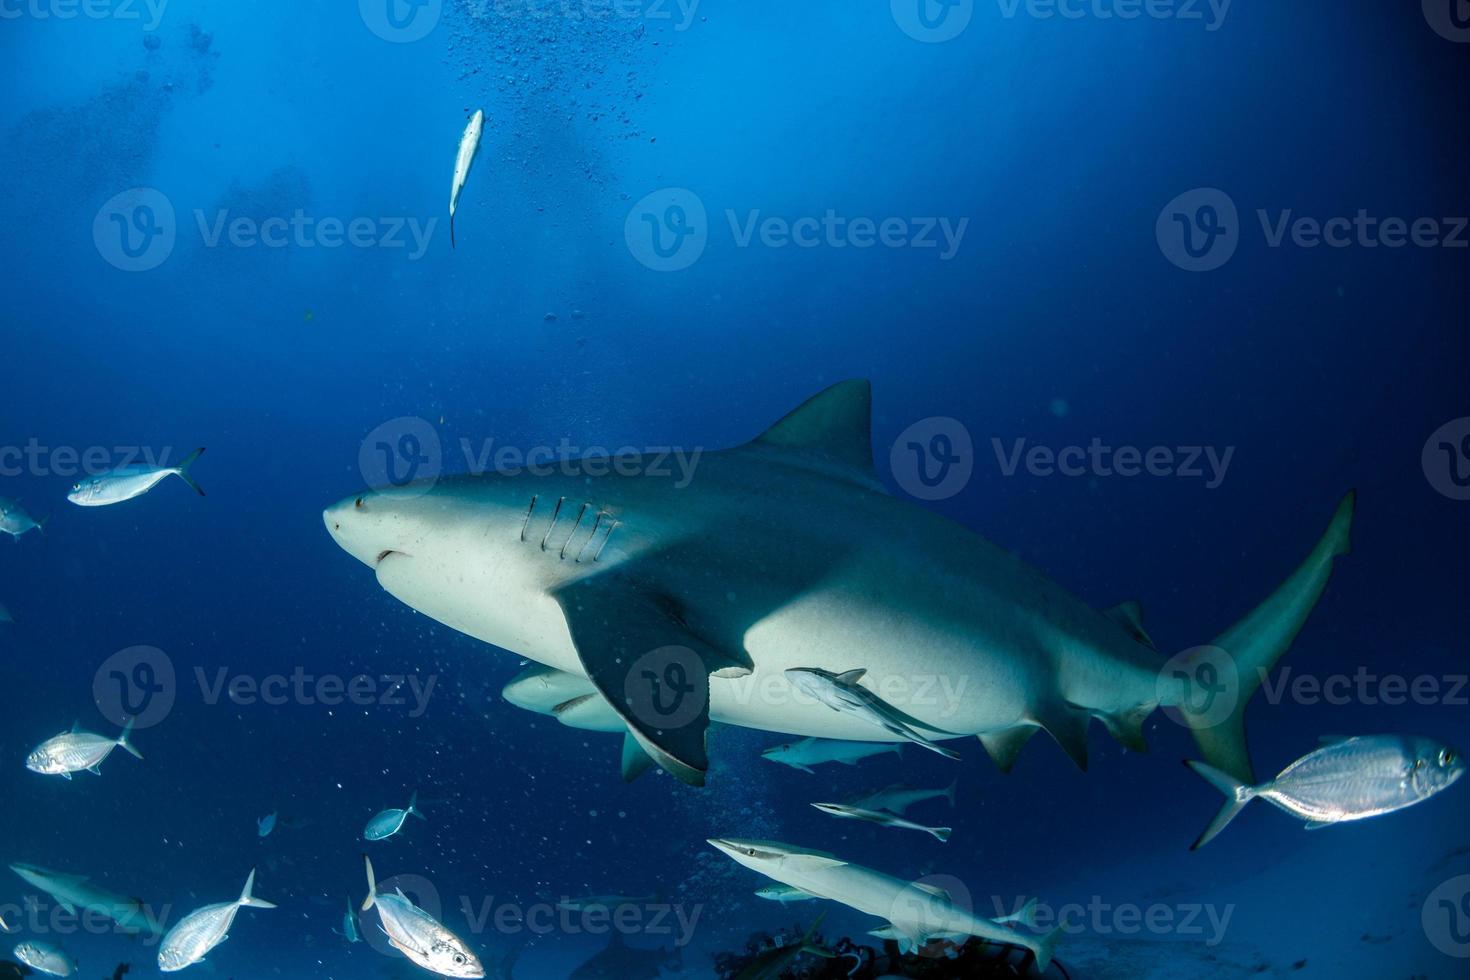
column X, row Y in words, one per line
column 1129, row 615
column 831, row 431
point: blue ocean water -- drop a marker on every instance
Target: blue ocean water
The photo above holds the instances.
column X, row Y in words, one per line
column 1028, row 225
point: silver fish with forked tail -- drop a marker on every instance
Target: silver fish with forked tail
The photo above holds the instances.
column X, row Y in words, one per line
column 203, row 929
column 1346, row 779
column 418, row 935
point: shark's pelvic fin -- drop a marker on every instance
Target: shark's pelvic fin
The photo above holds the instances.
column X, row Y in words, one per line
column 1255, row 644
column 1004, row 747
column 649, row 664
column 832, row 431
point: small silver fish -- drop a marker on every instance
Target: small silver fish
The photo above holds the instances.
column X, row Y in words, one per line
column 418, row 935
column 203, row 929
column 881, row 819
column 842, row 692
column 898, row 798
column 1347, row 779
column 127, row 482
column 46, row 958
column 266, row 824
column 14, row 520
column 78, row 751
column 390, row 822
column 784, row 894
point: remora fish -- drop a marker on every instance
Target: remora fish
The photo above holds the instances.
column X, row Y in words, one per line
column 390, row 822
column 915, row 909
column 842, row 692
column 881, row 819
column 417, row 935
column 76, row 893
column 46, row 958
column 815, row 751
column 1347, row 779
column 784, row 894
column 266, row 824
column 127, row 482
column 78, row 751
column 203, row 929
column 469, row 143
column 14, row 520
column 898, row 798
column 575, row 570
column 775, row 963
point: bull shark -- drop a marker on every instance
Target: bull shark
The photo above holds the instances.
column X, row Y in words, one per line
column 687, row 603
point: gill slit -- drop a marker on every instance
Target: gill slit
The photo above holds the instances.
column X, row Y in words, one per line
column 554, row 515
column 529, row 511
column 591, row 537
column 568, row 542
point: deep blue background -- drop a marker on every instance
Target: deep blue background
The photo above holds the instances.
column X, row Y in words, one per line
column 1060, row 141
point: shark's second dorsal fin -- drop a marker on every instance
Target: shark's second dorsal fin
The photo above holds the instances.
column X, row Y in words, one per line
column 832, row 431
column 1129, row 615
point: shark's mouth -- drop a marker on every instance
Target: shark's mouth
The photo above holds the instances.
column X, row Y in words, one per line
column 385, row 555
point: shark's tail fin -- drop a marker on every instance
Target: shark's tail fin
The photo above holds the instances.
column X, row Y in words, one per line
column 1222, row 677
column 949, row 793
column 250, row 901
column 1237, row 795
column 124, row 743
column 183, row 470
column 1044, row 948
column 372, row 895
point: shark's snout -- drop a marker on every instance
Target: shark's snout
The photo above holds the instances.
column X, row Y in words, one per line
column 367, row 527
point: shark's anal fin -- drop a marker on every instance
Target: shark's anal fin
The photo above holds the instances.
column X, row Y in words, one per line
column 652, row 668
column 635, row 760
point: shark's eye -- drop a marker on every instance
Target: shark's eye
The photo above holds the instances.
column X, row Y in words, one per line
column 75, row 487
column 358, row 503
column 1446, row 757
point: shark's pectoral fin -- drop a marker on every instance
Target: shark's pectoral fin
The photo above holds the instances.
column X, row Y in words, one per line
column 1004, row 747
column 652, row 668
column 635, row 761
